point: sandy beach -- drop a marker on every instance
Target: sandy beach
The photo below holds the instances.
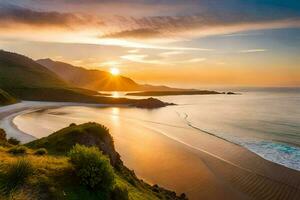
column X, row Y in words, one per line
column 7, row 114
column 201, row 165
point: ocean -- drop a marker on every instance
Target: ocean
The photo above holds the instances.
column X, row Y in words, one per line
column 266, row 121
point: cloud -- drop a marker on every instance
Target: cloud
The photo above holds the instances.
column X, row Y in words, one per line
column 189, row 61
column 12, row 15
column 110, row 63
column 150, row 32
column 252, row 50
column 141, row 33
column 195, row 60
column 141, row 58
column 133, row 51
column 183, row 27
column 171, row 53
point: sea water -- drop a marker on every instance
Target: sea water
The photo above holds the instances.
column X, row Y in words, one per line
column 265, row 121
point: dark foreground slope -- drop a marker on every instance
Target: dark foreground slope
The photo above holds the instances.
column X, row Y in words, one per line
column 52, row 176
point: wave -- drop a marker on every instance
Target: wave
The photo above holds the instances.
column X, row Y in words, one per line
column 277, row 152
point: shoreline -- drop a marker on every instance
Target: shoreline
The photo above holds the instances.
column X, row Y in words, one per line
column 9, row 112
column 243, row 161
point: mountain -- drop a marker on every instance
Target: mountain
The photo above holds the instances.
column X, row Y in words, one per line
column 95, row 79
column 19, row 71
column 89, row 79
column 26, row 79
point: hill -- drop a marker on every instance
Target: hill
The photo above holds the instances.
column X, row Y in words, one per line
column 6, row 99
column 26, row 79
column 19, row 71
column 63, row 173
column 96, row 79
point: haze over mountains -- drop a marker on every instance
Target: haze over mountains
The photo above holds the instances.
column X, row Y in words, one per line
column 95, row 79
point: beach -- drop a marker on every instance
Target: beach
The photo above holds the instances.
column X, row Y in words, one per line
column 171, row 155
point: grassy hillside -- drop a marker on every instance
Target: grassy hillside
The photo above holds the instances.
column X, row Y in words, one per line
column 6, row 99
column 64, row 172
column 20, row 71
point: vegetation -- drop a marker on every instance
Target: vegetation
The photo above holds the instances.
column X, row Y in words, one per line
column 41, row 151
column 13, row 141
column 151, row 103
column 92, row 167
column 26, row 72
column 2, row 135
column 120, row 193
column 64, row 173
column 6, row 99
column 88, row 134
column 18, row 150
column 15, row 176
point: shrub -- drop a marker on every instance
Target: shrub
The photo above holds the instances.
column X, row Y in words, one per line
column 119, row 193
column 72, row 124
column 13, row 141
column 16, row 176
column 2, row 135
column 41, row 151
column 92, row 167
column 18, row 150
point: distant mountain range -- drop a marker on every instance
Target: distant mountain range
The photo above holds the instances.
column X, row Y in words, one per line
column 26, row 79
column 96, row 79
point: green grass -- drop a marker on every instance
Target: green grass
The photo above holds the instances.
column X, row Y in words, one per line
column 16, row 175
column 57, row 176
column 41, row 152
column 54, row 178
column 17, row 150
column 63, row 140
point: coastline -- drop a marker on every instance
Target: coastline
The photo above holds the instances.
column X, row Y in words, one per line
column 231, row 171
column 9, row 112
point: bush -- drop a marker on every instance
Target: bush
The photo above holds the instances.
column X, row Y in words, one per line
column 2, row 135
column 119, row 193
column 18, row 150
column 41, row 151
column 72, row 124
column 13, row 141
column 92, row 167
column 16, row 176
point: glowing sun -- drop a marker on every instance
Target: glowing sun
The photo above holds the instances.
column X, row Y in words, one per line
column 114, row 71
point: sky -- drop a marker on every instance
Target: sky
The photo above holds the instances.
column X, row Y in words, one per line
column 184, row 43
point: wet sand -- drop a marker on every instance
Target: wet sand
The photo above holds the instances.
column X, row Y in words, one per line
column 201, row 165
